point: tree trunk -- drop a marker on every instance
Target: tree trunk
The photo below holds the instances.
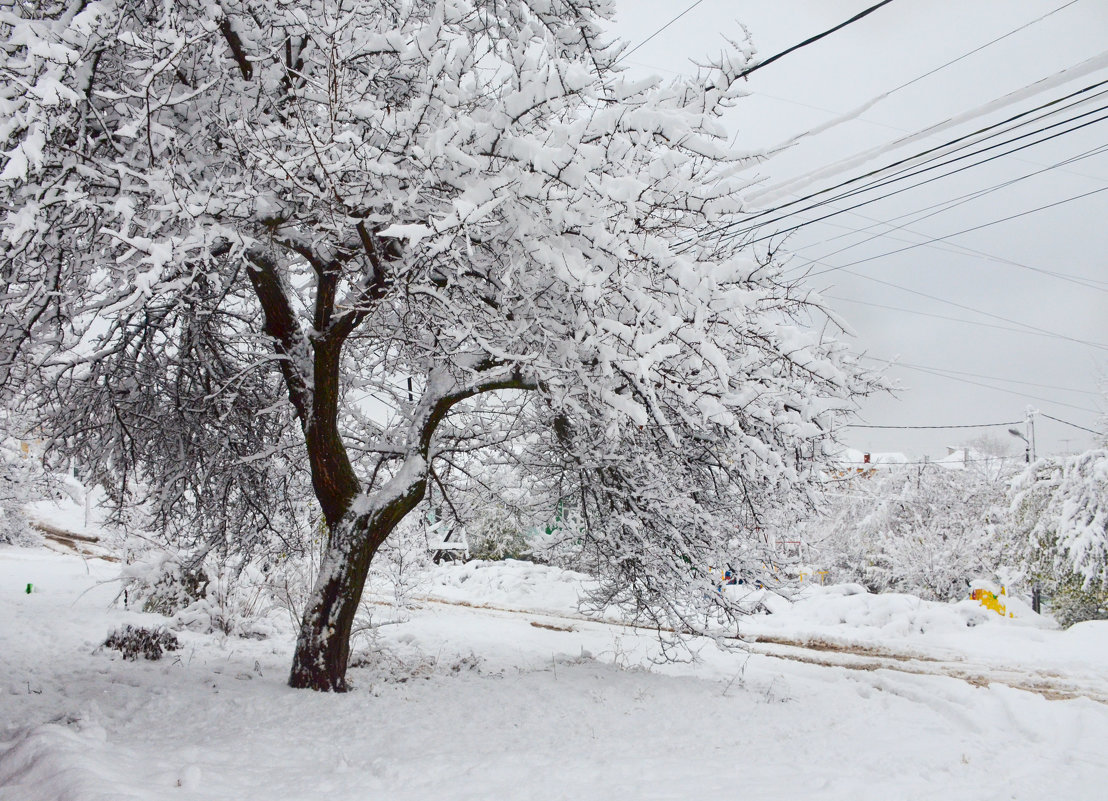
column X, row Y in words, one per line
column 323, row 646
column 355, row 532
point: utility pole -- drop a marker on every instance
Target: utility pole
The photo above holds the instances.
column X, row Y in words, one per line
column 1031, row 412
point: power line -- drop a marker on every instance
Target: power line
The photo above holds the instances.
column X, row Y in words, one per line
column 765, row 63
column 963, row 231
column 936, row 148
column 813, row 39
column 968, row 142
column 657, row 32
column 976, row 311
column 982, row 47
column 855, row 113
column 957, row 250
column 977, row 425
column 936, row 462
column 931, row 369
column 1005, row 390
column 903, row 310
column 1072, row 425
column 877, row 177
column 916, row 170
column 1058, row 79
column 899, row 177
column 892, row 180
column 944, row 206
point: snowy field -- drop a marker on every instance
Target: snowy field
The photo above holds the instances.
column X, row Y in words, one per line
column 495, row 688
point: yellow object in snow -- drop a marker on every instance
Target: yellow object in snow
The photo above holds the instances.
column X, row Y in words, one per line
column 990, row 601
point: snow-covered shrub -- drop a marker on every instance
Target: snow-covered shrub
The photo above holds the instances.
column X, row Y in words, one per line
column 238, row 603
column 22, row 480
column 15, row 529
column 560, row 545
column 1060, row 515
column 136, row 641
column 289, row 577
column 498, row 535
column 927, row 531
column 203, row 594
column 1071, row 601
column 161, row 582
column 399, row 567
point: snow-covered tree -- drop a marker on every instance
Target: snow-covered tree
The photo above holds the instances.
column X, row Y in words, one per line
column 925, row 530
column 1060, row 514
column 391, row 236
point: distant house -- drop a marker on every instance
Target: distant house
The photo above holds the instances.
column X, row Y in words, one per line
column 992, row 466
column 959, row 458
column 850, row 462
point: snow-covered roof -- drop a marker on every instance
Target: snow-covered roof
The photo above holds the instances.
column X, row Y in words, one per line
column 849, row 457
column 962, row 458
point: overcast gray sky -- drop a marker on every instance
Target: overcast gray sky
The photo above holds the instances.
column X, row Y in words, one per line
column 1046, row 269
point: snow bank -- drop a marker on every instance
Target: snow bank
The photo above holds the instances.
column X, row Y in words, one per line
column 52, row 762
column 510, row 583
column 878, row 616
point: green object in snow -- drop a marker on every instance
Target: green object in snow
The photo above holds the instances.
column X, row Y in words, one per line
column 30, row 588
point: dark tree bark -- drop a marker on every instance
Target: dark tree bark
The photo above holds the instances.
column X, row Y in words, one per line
column 323, row 646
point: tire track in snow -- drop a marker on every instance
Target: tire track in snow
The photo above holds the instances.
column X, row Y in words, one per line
column 851, row 656
column 1050, row 685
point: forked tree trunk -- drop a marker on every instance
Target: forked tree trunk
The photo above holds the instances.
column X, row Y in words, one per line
column 355, row 534
column 323, row 646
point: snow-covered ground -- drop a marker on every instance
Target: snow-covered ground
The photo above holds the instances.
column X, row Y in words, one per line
column 494, row 688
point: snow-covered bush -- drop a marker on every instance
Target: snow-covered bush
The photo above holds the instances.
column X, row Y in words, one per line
column 289, row 577
column 400, row 566
column 1060, row 515
column 497, row 535
column 24, row 480
column 136, row 641
column 202, row 592
column 161, row 582
column 21, row 480
column 1069, row 600
column 926, row 531
column 560, row 544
